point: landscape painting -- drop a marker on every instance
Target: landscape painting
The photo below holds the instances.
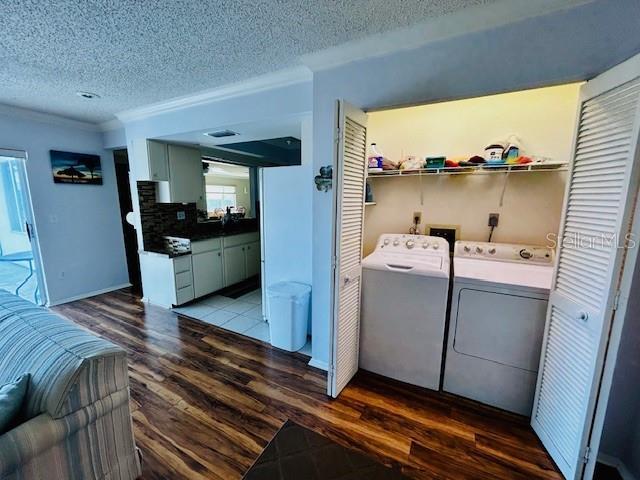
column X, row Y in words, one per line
column 80, row 168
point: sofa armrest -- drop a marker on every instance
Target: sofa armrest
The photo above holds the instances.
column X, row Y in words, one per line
column 28, row 440
column 98, row 377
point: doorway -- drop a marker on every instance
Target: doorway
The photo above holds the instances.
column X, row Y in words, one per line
column 121, row 160
column 20, row 271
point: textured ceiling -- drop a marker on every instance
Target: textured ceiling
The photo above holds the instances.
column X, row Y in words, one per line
column 136, row 52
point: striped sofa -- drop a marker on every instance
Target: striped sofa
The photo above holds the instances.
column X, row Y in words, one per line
column 76, row 422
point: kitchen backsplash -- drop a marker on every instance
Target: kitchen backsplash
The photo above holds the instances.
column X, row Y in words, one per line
column 160, row 219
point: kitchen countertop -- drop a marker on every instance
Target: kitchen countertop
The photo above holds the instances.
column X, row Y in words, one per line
column 206, row 231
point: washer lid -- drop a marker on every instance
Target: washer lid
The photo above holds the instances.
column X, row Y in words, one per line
column 425, row 265
column 507, row 273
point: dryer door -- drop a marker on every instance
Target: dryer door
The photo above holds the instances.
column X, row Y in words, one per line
column 503, row 327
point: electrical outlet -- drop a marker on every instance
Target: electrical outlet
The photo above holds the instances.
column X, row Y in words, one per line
column 493, row 219
column 417, row 217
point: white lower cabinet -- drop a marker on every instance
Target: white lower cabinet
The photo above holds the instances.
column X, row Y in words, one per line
column 241, row 257
column 235, row 269
column 207, row 272
column 214, row 263
column 166, row 281
column 252, row 259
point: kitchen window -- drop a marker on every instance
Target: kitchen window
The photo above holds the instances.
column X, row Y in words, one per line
column 220, row 197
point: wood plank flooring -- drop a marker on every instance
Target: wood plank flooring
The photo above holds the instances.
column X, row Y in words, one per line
column 205, row 402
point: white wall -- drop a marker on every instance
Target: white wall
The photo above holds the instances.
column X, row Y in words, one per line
column 78, row 226
column 287, row 223
column 543, row 119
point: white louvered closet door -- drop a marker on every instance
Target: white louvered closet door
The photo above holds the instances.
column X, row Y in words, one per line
column 349, row 182
column 600, row 199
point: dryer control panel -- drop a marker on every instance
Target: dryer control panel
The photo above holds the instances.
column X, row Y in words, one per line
column 412, row 244
column 505, row 252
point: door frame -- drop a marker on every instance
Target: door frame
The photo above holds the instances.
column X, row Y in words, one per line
column 30, row 220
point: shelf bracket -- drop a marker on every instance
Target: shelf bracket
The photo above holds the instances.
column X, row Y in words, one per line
column 504, row 187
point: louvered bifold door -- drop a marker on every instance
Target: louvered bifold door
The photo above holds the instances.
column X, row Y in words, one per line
column 601, row 194
column 350, row 173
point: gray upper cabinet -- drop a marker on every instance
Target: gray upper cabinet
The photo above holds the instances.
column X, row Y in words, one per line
column 158, row 161
column 186, row 183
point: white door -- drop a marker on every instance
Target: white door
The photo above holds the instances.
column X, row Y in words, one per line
column 602, row 187
column 349, row 183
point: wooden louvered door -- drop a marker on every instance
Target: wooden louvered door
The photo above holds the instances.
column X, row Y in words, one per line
column 600, row 199
column 349, row 183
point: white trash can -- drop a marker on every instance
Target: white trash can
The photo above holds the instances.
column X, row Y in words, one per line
column 288, row 314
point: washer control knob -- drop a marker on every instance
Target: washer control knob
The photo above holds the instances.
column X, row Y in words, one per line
column 396, row 242
column 386, row 241
column 410, row 244
column 436, row 246
column 526, row 254
column 425, row 244
column 478, row 250
column 492, row 251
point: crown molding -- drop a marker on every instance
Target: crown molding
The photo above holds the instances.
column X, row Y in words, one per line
column 42, row 117
column 467, row 21
column 281, row 78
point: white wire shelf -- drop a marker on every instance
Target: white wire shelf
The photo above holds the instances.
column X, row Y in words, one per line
column 476, row 170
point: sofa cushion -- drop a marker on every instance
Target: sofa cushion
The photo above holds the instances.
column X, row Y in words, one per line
column 11, row 397
column 70, row 367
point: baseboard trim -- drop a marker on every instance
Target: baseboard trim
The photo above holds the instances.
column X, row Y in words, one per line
column 88, row 294
column 322, row 365
column 618, row 464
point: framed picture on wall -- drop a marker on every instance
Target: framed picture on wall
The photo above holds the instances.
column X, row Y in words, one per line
column 79, row 168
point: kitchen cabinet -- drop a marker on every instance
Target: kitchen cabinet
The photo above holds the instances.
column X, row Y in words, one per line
column 167, row 281
column 186, row 184
column 235, row 267
column 241, row 257
column 252, row 259
column 208, row 268
column 158, row 160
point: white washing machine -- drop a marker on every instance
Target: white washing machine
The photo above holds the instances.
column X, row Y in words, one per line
column 405, row 284
column 498, row 311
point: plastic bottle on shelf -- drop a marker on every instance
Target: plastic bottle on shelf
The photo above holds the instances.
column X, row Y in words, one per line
column 375, row 157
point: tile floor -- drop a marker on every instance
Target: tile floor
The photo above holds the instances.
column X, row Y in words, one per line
column 13, row 274
column 241, row 315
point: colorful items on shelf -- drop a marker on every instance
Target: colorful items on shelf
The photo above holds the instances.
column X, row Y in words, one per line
column 496, row 154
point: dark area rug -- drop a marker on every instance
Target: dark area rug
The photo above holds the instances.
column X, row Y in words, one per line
column 296, row 453
column 239, row 289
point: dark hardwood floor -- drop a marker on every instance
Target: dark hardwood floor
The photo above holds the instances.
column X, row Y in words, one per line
column 205, row 402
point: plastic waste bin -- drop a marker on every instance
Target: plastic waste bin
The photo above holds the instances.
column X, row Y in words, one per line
column 288, row 314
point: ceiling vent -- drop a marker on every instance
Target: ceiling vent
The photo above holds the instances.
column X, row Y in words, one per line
column 222, row 134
